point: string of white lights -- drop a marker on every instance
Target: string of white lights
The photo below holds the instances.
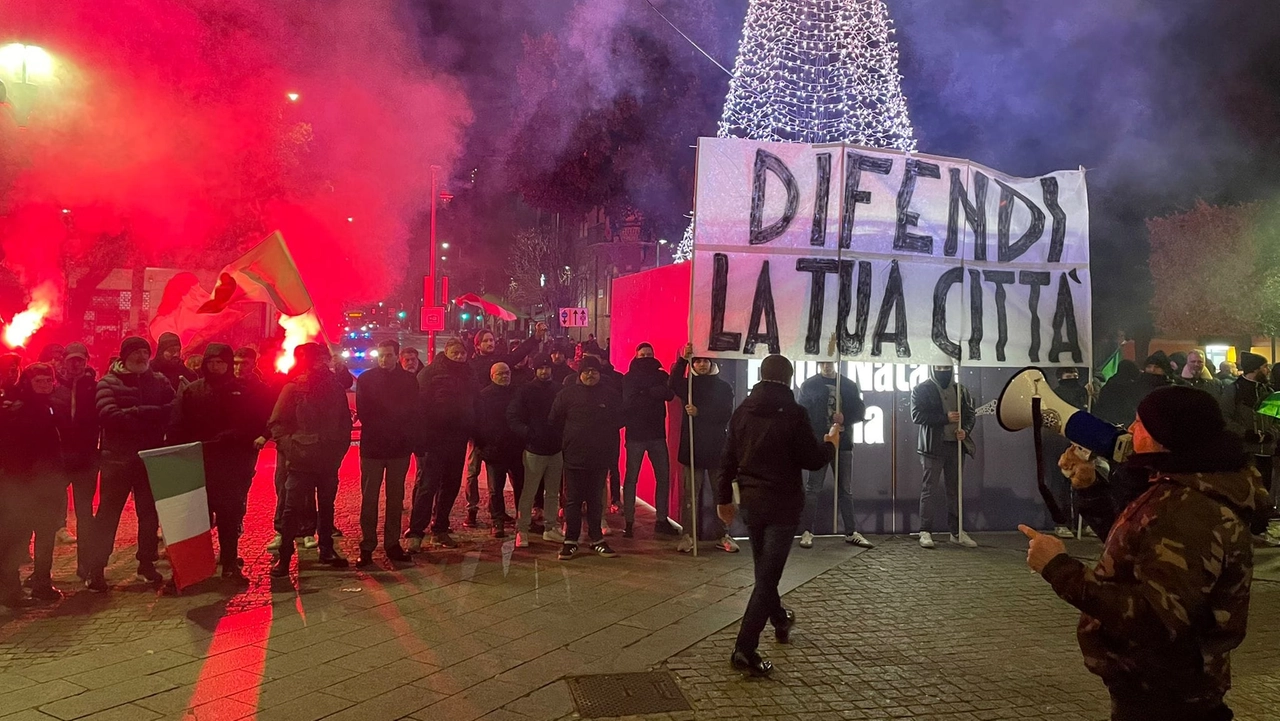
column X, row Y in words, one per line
column 816, row 71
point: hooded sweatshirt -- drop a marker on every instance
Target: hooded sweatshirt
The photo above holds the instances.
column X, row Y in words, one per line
column 645, row 393
column 312, row 422
column 1169, row 598
column 770, row 442
column 714, row 400
column 219, row 411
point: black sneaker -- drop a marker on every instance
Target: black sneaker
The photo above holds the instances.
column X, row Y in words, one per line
column 629, row 531
column 444, row 540
column 337, row 532
column 664, row 528
column 96, row 583
column 280, row 567
column 147, row 572
column 233, row 573
column 331, row 559
column 602, row 550
column 17, row 600
column 45, row 591
column 537, row 528
column 568, row 552
column 499, row 528
column 365, row 560
column 471, row 521
column 398, row 554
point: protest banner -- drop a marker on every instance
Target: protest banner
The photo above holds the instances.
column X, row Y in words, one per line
column 826, row 251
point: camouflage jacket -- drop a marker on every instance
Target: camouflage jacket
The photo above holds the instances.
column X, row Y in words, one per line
column 1169, row 598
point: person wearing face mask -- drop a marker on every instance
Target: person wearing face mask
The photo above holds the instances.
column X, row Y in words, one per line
column 32, row 489
column 73, row 405
column 1169, row 599
column 447, row 400
column 645, row 392
column 587, row 416
column 708, row 411
column 500, row 448
column 219, row 411
column 135, row 408
column 529, row 417
column 944, row 411
column 387, row 404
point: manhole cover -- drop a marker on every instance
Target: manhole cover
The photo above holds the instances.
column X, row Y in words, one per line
column 626, row 694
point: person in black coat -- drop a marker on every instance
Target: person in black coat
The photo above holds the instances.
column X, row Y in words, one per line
column 770, row 444
column 387, row 405
column 818, row 396
column 587, row 416
column 708, row 412
column 168, row 362
column 447, row 393
column 218, row 411
column 73, row 407
column 560, row 369
column 1119, row 397
column 135, row 408
column 33, row 491
column 500, row 448
column 529, row 417
column 946, row 419
column 645, row 392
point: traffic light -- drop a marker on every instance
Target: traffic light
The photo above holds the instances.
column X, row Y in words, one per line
column 466, row 316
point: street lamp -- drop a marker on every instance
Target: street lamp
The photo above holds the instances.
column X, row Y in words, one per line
column 27, row 64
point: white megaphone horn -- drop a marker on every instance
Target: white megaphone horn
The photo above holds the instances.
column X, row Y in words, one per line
column 1028, row 388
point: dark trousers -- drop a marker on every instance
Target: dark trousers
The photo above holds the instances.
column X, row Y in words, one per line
column 497, row 473
column 615, row 483
column 441, row 480
column 120, row 478
column 14, row 537
column 660, row 462
column 941, row 477
column 82, row 475
column 770, row 545
column 228, row 501
column 1145, row 707
column 584, row 485
column 1264, row 466
column 473, row 478
column 300, row 488
column 307, row 523
column 42, row 518
column 372, row 474
column 814, row 481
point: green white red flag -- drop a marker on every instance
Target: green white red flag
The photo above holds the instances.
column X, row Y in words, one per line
column 176, row 474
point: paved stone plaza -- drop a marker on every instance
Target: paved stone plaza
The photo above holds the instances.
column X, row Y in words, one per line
column 488, row 632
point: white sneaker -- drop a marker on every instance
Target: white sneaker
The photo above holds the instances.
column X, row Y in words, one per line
column 1063, row 532
column 414, row 545
column 859, row 540
column 310, row 542
column 1273, row 529
column 604, row 528
column 806, row 540
column 65, row 537
column 728, row 544
column 964, row 540
column 554, row 535
column 685, row 545
column 522, row 541
column 274, row 543
column 926, row 540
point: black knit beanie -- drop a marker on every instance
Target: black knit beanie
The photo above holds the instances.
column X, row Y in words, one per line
column 776, row 368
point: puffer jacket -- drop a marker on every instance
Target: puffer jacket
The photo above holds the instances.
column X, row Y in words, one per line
column 645, row 392
column 311, row 423
column 77, row 414
column 770, row 442
column 1169, row 599
column 135, row 410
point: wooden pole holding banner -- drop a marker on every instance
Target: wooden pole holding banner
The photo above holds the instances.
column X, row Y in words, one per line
column 693, row 469
column 960, row 449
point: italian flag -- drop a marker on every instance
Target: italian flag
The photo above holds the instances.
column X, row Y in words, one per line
column 176, row 474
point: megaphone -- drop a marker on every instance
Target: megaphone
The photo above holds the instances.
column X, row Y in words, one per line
column 1028, row 393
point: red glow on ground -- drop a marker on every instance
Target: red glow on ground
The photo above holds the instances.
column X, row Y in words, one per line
column 234, row 664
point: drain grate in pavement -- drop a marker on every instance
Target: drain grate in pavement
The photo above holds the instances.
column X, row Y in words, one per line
column 626, row 694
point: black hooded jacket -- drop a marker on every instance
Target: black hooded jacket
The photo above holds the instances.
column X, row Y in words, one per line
column 135, row 410
column 220, row 412
column 387, row 403
column 447, row 391
column 645, row 392
column 73, row 406
column 770, row 442
column 30, row 444
column 714, row 401
column 588, row 419
column 529, row 417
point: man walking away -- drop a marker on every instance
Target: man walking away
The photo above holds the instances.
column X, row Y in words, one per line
column 447, row 397
column 1169, row 599
column 529, row 417
column 708, row 410
column 135, row 408
column 386, row 403
column 645, row 392
column 73, row 407
column 219, row 412
column 945, row 422
column 770, row 443
column 587, row 416
column 500, row 448
column 312, row 424
column 818, row 396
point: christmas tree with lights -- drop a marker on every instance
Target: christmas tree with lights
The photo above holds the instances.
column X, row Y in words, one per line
column 816, row 71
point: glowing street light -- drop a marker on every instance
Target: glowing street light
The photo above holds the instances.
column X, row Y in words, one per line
column 444, row 245
column 293, row 97
column 27, row 64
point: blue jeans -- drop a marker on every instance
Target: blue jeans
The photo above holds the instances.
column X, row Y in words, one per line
column 660, row 461
column 770, row 546
column 814, row 481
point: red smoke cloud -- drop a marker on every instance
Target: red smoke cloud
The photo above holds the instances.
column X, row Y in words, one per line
column 168, row 126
